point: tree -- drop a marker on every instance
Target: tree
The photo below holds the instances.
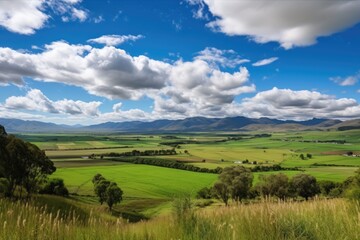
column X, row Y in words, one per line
column 326, row 186
column 274, row 185
column 308, row 155
column 302, row 157
column 97, row 178
column 23, row 164
column 239, row 180
column 55, row 186
column 113, row 195
column 352, row 188
column 100, row 189
column 304, row 185
column 222, row 191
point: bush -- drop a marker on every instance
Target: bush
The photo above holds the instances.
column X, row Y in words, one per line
column 55, row 186
column 205, row 193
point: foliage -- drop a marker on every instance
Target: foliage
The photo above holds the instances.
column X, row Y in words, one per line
column 274, row 185
column 169, row 163
column 353, row 188
column 239, row 180
column 106, row 191
column 23, row 164
column 304, row 185
column 205, row 193
column 113, row 194
column 222, row 191
column 55, row 186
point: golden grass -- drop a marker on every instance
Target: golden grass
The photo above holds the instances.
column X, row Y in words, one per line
column 318, row 219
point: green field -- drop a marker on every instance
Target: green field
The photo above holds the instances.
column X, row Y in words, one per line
column 149, row 189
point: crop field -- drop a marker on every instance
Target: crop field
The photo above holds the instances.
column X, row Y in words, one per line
column 150, row 189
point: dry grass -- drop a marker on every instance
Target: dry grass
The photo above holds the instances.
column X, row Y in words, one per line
column 318, row 219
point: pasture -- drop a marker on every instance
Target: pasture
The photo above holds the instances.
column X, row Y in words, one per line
column 149, row 189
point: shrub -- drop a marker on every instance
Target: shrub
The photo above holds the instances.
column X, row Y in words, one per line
column 55, row 186
column 205, row 193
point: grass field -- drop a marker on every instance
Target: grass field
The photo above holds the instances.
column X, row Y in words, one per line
column 149, row 190
column 318, row 220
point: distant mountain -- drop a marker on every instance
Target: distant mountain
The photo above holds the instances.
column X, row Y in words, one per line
column 17, row 125
column 194, row 124
column 208, row 124
column 347, row 125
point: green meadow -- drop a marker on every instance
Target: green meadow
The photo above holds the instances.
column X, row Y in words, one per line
column 149, row 190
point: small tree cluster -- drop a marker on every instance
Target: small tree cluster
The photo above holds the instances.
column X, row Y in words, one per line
column 107, row 191
column 55, row 186
column 234, row 183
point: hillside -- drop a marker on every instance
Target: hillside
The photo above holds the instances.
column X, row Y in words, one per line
column 194, row 124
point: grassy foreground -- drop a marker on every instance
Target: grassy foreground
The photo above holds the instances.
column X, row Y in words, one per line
column 318, row 219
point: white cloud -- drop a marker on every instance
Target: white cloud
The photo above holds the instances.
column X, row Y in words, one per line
column 347, row 81
column 116, row 107
column 28, row 16
column 224, row 58
column 114, row 40
column 297, row 105
column 112, row 73
column 107, row 72
column 35, row 100
column 291, row 23
column 264, row 62
column 99, row 19
column 22, row 16
column 199, row 13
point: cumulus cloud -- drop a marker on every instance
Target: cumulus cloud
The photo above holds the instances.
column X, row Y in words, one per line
column 347, row 81
column 106, row 72
column 25, row 17
column 297, row 105
column 114, row 40
column 264, row 62
column 291, row 23
column 35, row 100
column 183, row 87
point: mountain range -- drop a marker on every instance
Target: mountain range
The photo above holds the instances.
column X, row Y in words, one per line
column 194, row 124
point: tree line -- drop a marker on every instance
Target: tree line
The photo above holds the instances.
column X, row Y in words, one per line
column 236, row 183
column 136, row 153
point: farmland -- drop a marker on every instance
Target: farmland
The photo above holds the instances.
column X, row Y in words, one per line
column 149, row 190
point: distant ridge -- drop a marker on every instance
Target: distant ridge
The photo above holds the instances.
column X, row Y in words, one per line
column 194, row 124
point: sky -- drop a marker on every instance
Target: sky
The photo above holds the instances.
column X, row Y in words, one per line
column 92, row 61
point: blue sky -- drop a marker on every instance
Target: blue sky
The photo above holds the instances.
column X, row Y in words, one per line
column 90, row 61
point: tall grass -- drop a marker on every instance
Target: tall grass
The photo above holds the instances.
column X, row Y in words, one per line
column 318, row 219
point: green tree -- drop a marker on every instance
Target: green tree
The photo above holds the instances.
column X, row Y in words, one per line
column 352, row 188
column 113, row 195
column 24, row 165
column 239, row 180
column 326, row 186
column 100, row 189
column 222, row 191
column 304, row 185
column 274, row 185
column 55, row 186
column 97, row 178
